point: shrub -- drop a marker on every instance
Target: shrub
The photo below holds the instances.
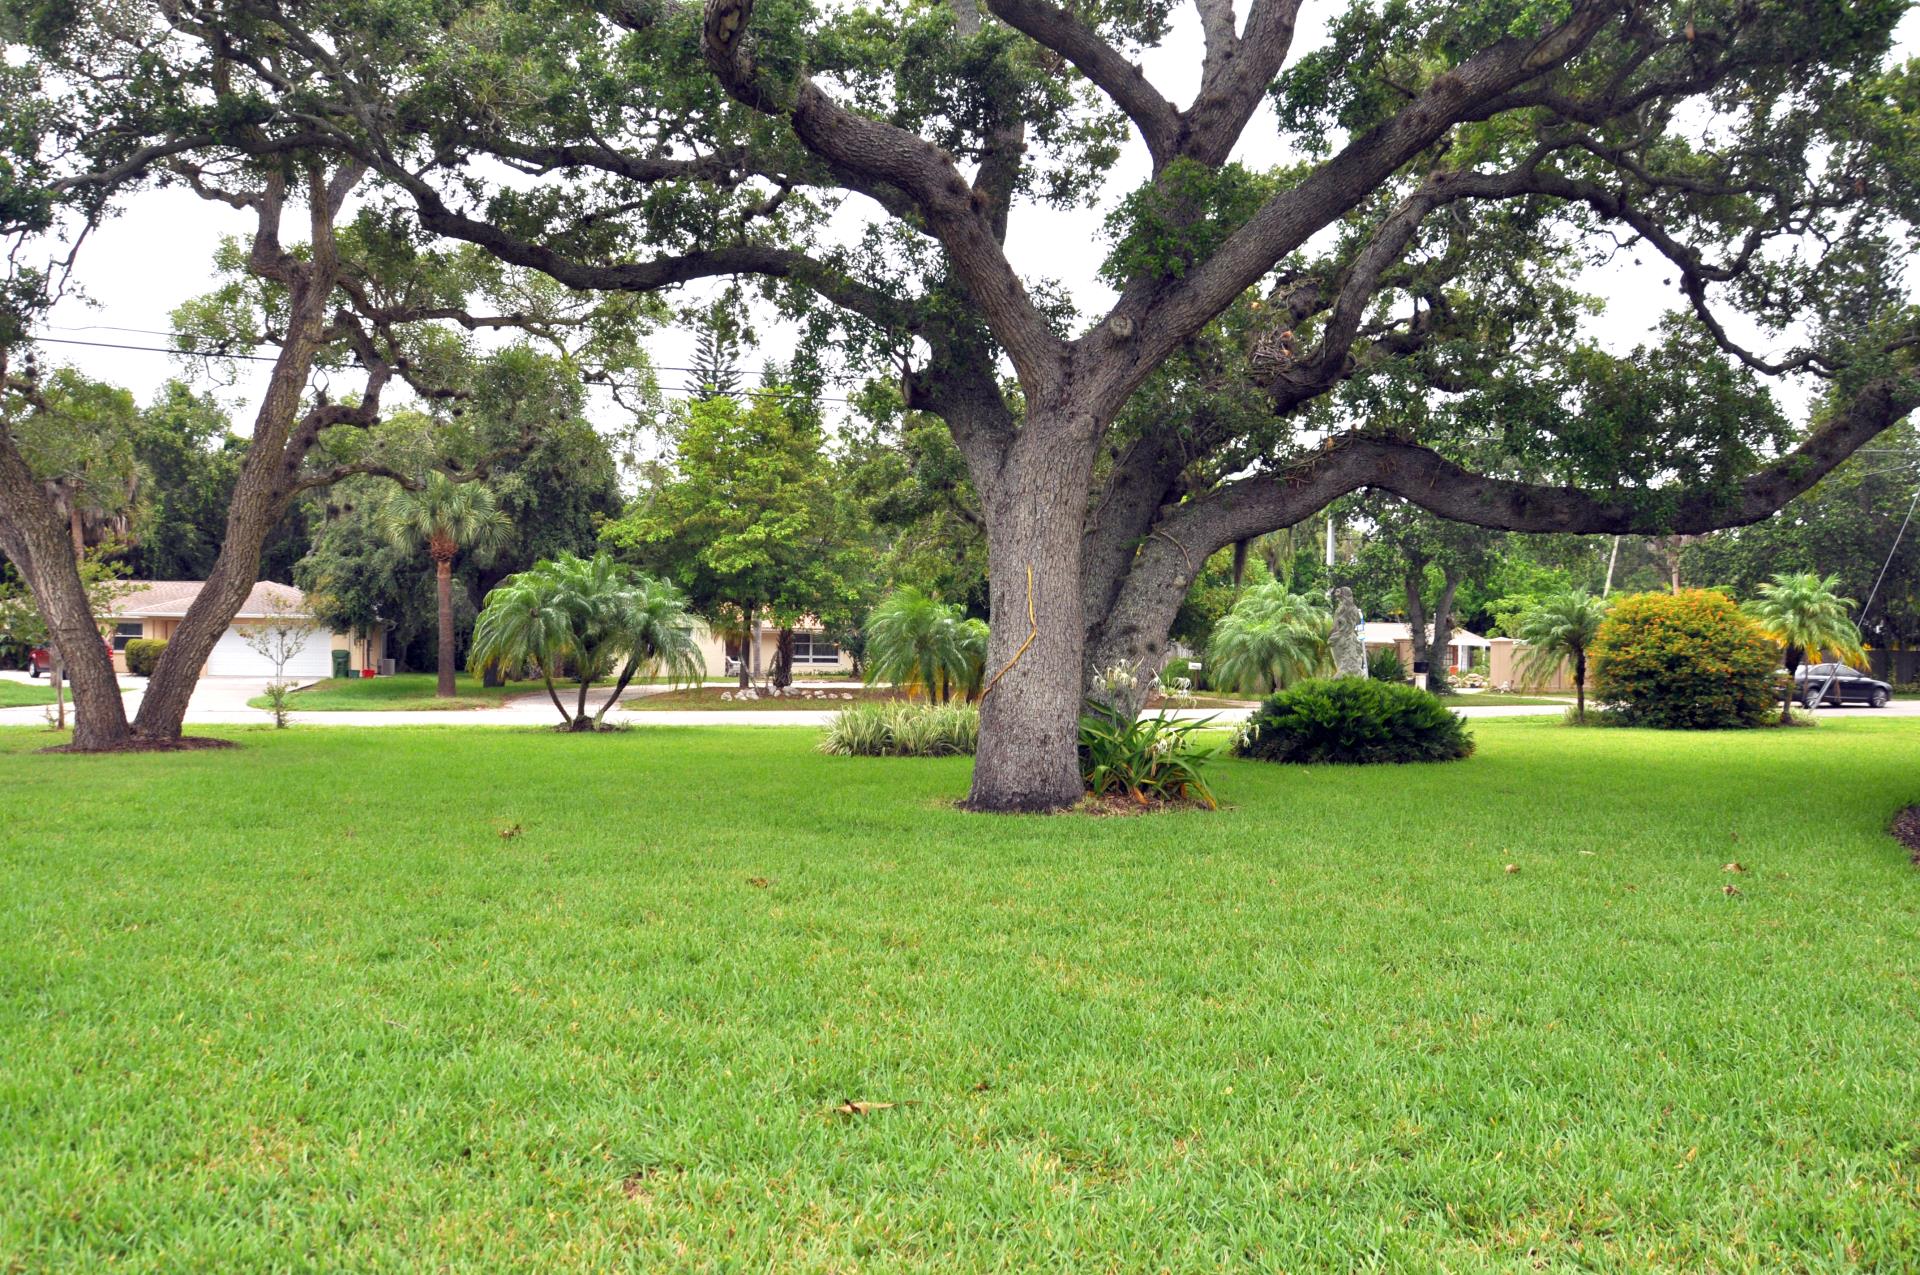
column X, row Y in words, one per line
column 143, row 654
column 894, row 729
column 1684, row 661
column 1383, row 665
column 1355, row 720
column 1148, row 759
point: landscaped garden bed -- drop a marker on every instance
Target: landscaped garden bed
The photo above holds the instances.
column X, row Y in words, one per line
column 428, row 998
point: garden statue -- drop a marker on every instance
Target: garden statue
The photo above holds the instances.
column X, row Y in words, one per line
column 1349, row 652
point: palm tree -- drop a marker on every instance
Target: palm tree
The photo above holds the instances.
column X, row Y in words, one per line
column 650, row 621
column 970, row 643
column 587, row 613
column 526, row 622
column 1271, row 638
column 1561, row 629
column 446, row 517
column 915, row 641
column 1803, row 613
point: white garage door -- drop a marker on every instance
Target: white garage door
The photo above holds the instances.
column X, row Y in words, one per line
column 232, row 657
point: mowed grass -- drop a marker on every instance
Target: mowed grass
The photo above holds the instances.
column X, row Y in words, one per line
column 414, row 692
column 302, row 1005
column 27, row 694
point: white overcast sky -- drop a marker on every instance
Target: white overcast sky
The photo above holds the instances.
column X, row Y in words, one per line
column 156, row 254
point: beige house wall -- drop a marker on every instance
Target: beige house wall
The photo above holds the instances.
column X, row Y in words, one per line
column 1503, row 669
column 714, row 652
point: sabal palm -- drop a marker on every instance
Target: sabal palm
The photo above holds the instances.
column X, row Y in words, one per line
column 1271, row 638
column 1561, row 629
column 445, row 517
column 1805, row 614
column 915, row 641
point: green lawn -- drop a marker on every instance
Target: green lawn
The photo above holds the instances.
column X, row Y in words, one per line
column 27, row 694
column 303, row 1006
column 412, row 692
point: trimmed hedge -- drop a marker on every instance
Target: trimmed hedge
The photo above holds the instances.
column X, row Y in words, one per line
column 1684, row 661
column 1357, row 721
column 142, row 654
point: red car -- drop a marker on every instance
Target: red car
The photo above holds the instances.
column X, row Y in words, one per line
column 40, row 661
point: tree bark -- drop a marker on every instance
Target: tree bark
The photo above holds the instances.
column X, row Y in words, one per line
column 1028, row 758
column 444, row 688
column 1435, row 636
column 32, row 536
column 746, row 636
column 783, row 658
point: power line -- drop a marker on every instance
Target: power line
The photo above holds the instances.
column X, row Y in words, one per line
column 264, row 358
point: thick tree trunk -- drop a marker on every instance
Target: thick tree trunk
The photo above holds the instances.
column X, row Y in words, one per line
column 1431, row 638
column 260, row 497
column 1030, row 716
column 32, row 536
column 443, row 598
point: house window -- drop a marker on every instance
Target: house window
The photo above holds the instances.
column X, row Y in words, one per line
column 811, row 648
column 124, row 633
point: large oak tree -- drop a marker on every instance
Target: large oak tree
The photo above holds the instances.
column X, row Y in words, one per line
column 1450, row 165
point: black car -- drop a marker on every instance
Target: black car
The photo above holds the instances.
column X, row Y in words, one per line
column 1848, row 685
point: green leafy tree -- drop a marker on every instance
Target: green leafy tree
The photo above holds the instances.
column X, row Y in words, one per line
column 1562, row 629
column 1451, row 168
column 445, row 518
column 1805, row 613
column 1271, row 639
column 749, row 523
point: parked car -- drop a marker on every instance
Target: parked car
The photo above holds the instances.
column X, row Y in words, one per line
column 40, row 660
column 1848, row 684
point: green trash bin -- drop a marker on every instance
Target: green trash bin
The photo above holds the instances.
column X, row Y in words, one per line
column 340, row 661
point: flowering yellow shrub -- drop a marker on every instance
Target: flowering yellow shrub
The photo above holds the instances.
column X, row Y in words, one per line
column 1684, row 661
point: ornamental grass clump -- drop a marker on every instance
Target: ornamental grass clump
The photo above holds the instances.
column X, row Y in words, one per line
column 892, row 729
column 1684, row 661
column 1357, row 721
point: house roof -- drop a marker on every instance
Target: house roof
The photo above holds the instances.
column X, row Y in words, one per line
column 1383, row 633
column 163, row 599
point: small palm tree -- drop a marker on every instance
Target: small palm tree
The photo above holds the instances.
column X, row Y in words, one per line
column 446, row 517
column 650, row 621
column 914, row 640
column 1272, row 638
column 589, row 614
column 1805, row 614
column 526, row 622
column 1561, row 629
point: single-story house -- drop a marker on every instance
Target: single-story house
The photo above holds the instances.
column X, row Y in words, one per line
column 813, row 651
column 1399, row 637
column 154, row 608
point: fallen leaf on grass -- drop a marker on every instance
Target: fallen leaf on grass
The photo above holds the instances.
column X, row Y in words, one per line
column 852, row 1108
column 1730, row 890
column 1735, row 866
column 1513, row 867
column 509, row 832
column 758, row 883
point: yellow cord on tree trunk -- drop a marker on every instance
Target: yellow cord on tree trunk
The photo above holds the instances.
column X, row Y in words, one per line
column 1024, row 645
